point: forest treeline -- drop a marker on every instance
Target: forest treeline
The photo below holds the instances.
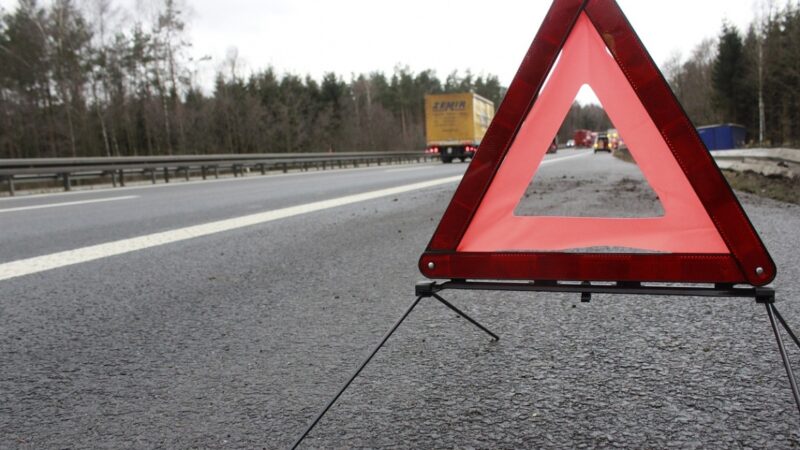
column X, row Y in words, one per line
column 85, row 78
column 749, row 77
column 77, row 81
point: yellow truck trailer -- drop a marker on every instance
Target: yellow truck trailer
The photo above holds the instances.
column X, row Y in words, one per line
column 456, row 123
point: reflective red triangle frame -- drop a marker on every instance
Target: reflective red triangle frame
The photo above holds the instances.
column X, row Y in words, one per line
column 748, row 261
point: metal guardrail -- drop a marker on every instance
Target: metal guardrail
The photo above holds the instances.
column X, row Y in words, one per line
column 66, row 170
column 770, row 162
column 765, row 161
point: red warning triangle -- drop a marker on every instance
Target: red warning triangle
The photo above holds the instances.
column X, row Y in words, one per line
column 704, row 235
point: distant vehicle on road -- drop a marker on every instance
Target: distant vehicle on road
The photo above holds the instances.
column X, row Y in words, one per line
column 571, row 143
column 614, row 139
column 456, row 123
column 602, row 143
column 584, row 138
column 553, row 147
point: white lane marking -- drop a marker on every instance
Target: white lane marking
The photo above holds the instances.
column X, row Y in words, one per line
column 408, row 169
column 546, row 161
column 38, row 264
column 178, row 182
column 58, row 205
column 70, row 257
column 564, row 158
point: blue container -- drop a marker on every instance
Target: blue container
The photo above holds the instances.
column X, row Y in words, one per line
column 723, row 137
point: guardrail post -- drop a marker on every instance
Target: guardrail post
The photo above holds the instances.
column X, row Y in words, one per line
column 166, row 174
column 263, row 168
column 186, row 169
column 153, row 175
column 203, row 171
column 122, row 178
column 67, row 183
column 113, row 175
column 216, row 172
column 10, row 181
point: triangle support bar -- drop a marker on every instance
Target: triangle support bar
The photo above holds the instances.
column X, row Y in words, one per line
column 433, row 290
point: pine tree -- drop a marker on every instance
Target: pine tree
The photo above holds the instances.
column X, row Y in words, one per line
column 733, row 87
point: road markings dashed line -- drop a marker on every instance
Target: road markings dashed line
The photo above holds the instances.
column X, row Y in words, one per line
column 408, row 169
column 58, row 205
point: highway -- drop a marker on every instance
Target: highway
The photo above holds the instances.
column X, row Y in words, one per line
column 224, row 314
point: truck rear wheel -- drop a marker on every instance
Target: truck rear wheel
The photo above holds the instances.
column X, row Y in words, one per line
column 447, row 159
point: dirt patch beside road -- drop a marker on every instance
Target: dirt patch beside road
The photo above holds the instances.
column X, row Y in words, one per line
column 775, row 187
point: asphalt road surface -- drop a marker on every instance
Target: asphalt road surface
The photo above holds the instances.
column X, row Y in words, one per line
column 225, row 314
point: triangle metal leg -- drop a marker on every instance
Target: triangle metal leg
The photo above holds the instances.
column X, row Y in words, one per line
column 431, row 289
column 357, row 372
column 785, row 326
column 772, row 312
column 464, row 315
column 379, row 346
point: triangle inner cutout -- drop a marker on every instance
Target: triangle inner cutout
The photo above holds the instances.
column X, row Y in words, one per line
column 600, row 185
column 685, row 226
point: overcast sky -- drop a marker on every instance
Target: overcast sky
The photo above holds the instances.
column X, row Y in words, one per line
column 359, row 36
